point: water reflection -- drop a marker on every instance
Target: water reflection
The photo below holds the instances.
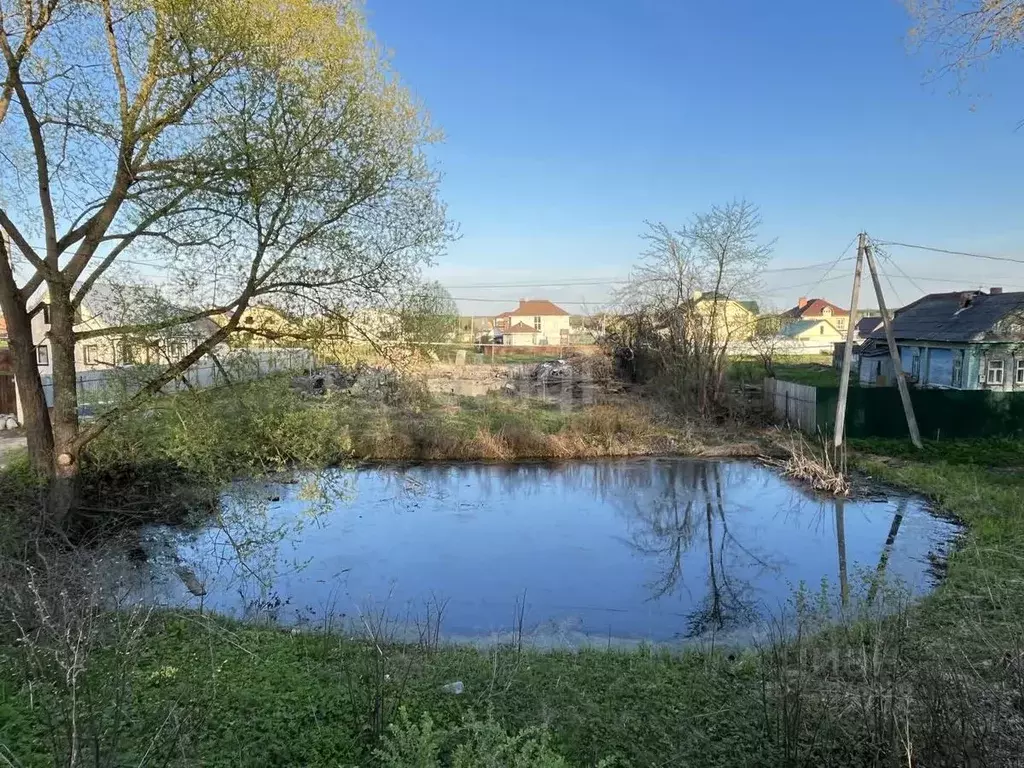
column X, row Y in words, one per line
column 659, row 549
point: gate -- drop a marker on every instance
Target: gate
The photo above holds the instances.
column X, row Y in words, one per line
column 8, row 404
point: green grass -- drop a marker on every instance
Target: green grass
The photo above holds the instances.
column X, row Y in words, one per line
column 979, row 609
column 263, row 697
column 246, row 695
column 813, row 370
column 984, row 452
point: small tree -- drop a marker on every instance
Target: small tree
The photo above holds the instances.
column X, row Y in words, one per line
column 247, row 150
column 429, row 315
column 688, row 290
column 767, row 341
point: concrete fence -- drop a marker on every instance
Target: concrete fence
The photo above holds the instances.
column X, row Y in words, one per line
column 793, row 404
column 95, row 386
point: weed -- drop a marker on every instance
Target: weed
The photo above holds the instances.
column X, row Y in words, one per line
column 822, row 467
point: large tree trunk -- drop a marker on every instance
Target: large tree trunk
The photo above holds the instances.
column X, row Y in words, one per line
column 38, row 431
column 26, row 373
column 64, row 487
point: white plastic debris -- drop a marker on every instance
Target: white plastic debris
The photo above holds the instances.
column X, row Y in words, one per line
column 457, row 687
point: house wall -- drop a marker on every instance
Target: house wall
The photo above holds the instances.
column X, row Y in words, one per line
column 521, row 340
column 838, row 321
column 1010, row 354
column 876, row 370
column 732, row 321
column 823, row 334
column 551, row 327
column 102, row 353
column 936, row 363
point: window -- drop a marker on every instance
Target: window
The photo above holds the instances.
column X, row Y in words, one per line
column 46, row 314
column 958, row 369
column 91, row 352
column 1018, row 376
column 994, row 374
column 42, row 355
column 536, row 323
column 915, row 364
column 821, row 330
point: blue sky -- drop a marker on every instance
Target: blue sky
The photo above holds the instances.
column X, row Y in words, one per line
column 570, row 122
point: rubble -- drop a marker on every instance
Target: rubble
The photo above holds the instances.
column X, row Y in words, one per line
column 551, row 370
column 365, row 381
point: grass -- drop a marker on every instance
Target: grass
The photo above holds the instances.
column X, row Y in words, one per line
column 813, row 370
column 942, row 681
column 262, row 697
column 983, row 452
column 265, row 426
column 981, row 602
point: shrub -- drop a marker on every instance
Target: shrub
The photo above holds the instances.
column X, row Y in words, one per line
column 473, row 744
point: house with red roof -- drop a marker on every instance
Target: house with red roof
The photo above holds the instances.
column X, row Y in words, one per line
column 534, row 322
column 818, row 309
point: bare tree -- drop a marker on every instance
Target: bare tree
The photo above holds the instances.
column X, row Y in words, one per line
column 688, row 297
column 966, row 32
column 262, row 150
column 767, row 340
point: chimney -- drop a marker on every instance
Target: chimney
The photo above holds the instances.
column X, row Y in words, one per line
column 801, row 302
column 995, row 291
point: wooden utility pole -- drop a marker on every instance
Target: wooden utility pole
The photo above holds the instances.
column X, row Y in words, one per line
column 894, row 353
column 844, row 381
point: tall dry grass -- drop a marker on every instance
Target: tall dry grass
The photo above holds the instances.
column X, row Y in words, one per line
column 507, row 430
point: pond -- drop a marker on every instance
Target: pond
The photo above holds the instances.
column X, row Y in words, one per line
column 661, row 550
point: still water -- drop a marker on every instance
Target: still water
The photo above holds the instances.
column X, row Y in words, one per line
column 662, row 550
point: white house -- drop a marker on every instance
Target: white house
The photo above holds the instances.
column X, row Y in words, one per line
column 549, row 323
column 109, row 306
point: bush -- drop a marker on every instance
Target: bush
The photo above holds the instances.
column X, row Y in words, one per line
column 473, row 744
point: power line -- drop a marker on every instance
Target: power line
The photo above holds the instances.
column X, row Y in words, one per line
column 892, row 287
column 950, row 252
column 839, row 259
column 890, row 260
column 960, row 280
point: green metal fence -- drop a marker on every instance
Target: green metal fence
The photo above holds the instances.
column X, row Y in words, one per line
column 941, row 413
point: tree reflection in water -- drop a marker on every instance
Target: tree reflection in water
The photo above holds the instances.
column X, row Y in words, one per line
column 645, row 547
column 687, row 507
column 244, row 547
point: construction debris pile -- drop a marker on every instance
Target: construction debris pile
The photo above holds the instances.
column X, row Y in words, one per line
column 375, row 383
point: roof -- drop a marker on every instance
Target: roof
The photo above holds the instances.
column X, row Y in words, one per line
column 962, row 316
column 815, row 308
column 791, row 330
column 535, row 307
column 521, row 328
column 868, row 324
column 117, row 304
column 750, row 306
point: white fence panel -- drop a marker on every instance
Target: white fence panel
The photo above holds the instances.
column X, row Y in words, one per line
column 241, row 365
column 792, row 404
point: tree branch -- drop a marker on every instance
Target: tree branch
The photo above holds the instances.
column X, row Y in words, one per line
column 143, row 328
